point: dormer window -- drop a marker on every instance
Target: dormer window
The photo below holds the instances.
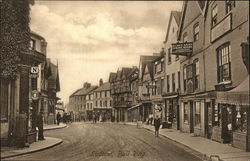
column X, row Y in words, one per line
column 214, row 16
column 229, row 5
column 196, row 32
column 185, row 36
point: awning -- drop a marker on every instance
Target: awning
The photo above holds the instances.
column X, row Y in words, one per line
column 135, row 106
column 236, row 96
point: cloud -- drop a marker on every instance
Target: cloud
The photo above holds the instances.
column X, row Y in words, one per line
column 89, row 46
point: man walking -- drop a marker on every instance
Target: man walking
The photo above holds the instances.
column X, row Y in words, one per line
column 157, row 124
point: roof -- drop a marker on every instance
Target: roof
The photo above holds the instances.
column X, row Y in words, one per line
column 36, row 35
column 237, row 96
column 134, row 69
column 150, row 66
column 112, row 77
column 85, row 91
column 53, row 80
column 145, row 59
column 126, row 71
column 177, row 17
column 118, row 75
column 103, row 87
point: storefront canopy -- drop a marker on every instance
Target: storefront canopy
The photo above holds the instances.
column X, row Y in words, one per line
column 135, row 106
column 236, row 96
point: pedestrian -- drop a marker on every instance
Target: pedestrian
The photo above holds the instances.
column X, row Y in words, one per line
column 58, row 118
column 94, row 118
column 157, row 124
column 40, row 126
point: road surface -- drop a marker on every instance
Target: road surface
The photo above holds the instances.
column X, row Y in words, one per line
column 110, row 142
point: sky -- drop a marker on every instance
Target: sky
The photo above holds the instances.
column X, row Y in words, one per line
column 90, row 39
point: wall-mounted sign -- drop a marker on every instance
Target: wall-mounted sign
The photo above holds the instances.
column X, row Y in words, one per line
column 35, row 95
column 183, row 49
column 34, row 70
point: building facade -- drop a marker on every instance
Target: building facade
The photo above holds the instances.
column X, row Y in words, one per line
column 216, row 29
column 172, row 73
column 103, row 102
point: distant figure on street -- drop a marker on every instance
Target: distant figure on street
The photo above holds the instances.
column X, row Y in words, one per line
column 65, row 117
column 157, row 124
column 94, row 118
column 58, row 118
column 40, row 126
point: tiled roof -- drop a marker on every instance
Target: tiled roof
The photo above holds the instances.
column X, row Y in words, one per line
column 132, row 71
column 85, row 91
column 104, row 87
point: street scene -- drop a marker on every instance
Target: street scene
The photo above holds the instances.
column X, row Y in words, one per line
column 124, row 80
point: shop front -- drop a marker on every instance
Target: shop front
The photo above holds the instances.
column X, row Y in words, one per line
column 233, row 116
column 103, row 114
column 171, row 111
column 135, row 113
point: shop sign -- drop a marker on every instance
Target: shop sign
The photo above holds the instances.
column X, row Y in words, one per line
column 34, row 72
column 183, row 49
column 35, row 95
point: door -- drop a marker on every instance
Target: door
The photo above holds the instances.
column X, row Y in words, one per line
column 208, row 120
column 191, row 117
column 228, row 122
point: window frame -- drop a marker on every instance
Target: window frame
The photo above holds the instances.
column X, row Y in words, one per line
column 168, row 83
column 195, row 74
column 197, row 118
column 224, row 62
column 169, row 56
column 173, row 83
column 231, row 4
column 196, row 35
column 214, row 18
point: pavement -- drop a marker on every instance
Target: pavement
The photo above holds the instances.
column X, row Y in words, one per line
column 210, row 149
column 7, row 152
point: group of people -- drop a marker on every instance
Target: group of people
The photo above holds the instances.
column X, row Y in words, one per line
column 66, row 118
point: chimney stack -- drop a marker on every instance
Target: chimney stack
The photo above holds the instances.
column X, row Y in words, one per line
column 100, row 82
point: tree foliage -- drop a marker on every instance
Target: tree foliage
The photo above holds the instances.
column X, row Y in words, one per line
column 14, row 35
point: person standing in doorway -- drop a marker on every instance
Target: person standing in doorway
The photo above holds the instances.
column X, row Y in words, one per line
column 40, row 126
column 58, row 118
column 157, row 124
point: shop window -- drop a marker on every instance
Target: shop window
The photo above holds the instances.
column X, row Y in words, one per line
column 173, row 82
column 229, row 5
column 214, row 16
column 196, row 74
column 241, row 118
column 197, row 114
column 224, row 63
column 196, row 32
column 186, row 113
column 217, row 115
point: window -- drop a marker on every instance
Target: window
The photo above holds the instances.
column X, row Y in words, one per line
column 168, row 84
column 241, row 118
column 162, row 65
column 229, row 5
column 173, row 29
column 196, row 32
column 100, row 103
column 179, row 79
column 185, row 36
column 214, row 16
column 185, row 77
column 217, row 117
column 105, row 93
column 158, row 84
column 196, row 74
column 32, row 44
column 197, row 112
column 185, row 112
column 158, row 67
column 173, row 82
column 96, row 103
column 224, row 63
column 162, row 85
column 169, row 55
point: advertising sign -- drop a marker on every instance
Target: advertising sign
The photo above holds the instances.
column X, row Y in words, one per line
column 183, row 49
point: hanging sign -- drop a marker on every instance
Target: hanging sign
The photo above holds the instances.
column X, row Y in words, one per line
column 183, row 49
column 35, row 95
